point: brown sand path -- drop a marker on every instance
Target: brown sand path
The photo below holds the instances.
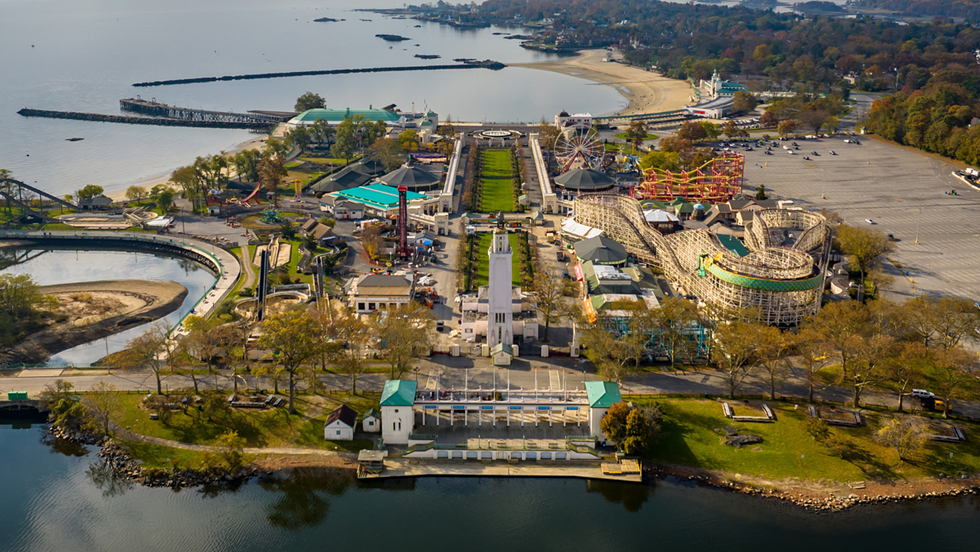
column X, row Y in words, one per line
column 130, row 303
column 646, row 91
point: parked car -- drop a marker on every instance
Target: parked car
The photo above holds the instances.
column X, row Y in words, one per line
column 870, row 221
column 806, row 157
column 922, row 394
column 832, row 152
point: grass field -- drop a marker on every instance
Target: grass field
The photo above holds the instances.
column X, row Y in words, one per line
column 259, row 428
column 622, row 136
column 498, row 182
column 689, row 439
column 483, row 274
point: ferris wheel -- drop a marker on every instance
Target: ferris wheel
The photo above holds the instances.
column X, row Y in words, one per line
column 578, row 147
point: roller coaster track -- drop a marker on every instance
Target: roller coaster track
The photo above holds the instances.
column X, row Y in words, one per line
column 34, row 213
column 784, row 281
column 41, row 193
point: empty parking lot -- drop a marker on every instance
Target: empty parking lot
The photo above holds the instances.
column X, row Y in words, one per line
column 902, row 190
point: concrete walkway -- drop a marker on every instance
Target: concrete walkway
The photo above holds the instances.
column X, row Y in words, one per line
column 398, row 467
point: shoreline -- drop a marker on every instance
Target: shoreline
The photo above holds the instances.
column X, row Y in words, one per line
column 644, row 91
column 137, row 302
column 796, row 492
column 150, row 181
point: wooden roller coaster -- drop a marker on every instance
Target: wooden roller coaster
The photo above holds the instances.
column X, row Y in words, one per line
column 715, row 181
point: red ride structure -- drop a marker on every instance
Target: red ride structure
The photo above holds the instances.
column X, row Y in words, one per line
column 403, row 222
column 715, row 181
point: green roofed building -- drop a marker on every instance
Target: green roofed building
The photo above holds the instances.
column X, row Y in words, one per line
column 602, row 395
column 336, row 116
column 376, row 198
column 398, row 393
column 397, row 416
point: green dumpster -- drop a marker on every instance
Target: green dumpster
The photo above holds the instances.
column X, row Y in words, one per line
column 17, row 396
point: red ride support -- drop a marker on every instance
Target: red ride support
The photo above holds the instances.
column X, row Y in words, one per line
column 403, row 222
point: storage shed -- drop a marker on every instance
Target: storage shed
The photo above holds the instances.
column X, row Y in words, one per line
column 340, row 424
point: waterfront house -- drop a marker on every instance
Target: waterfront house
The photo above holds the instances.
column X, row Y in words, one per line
column 340, row 424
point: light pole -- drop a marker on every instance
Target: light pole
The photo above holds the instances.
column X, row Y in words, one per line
column 917, row 224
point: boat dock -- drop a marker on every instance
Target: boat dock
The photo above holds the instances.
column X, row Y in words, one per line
column 400, row 467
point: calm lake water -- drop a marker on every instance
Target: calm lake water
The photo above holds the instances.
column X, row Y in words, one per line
column 83, row 56
column 53, row 499
column 60, row 267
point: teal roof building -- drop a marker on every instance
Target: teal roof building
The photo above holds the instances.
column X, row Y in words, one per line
column 602, row 394
column 377, row 196
column 398, row 393
column 337, row 116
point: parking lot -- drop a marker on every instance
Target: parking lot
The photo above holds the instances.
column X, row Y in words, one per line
column 905, row 192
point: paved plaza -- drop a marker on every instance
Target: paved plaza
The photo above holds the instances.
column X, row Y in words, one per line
column 899, row 188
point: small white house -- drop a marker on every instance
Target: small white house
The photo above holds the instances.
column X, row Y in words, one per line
column 372, row 421
column 602, row 395
column 340, row 424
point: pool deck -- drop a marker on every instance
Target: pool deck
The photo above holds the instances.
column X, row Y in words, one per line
column 397, row 467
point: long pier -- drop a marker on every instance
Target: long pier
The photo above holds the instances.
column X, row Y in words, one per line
column 486, row 64
column 156, row 109
column 657, row 117
column 158, row 121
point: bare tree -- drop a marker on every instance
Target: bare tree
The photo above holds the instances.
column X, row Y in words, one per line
column 550, row 298
column 773, row 351
column 906, row 435
column 102, row 402
column 952, row 374
column 737, row 346
column 814, row 353
column 294, row 336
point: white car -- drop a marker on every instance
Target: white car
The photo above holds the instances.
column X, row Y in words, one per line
column 870, row 221
column 832, row 152
column 791, row 152
column 923, row 394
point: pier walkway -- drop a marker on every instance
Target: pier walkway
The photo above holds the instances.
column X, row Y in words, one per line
column 399, row 467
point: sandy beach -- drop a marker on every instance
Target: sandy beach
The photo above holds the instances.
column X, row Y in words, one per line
column 646, row 91
column 120, row 194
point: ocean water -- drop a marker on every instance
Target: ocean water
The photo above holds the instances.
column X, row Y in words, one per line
column 84, row 56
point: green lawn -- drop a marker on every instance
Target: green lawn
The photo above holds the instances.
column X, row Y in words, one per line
column 259, row 428
column 622, row 136
column 689, row 439
column 483, row 273
column 498, row 182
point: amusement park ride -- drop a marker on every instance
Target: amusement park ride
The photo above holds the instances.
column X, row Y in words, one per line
column 715, row 181
column 578, row 148
column 212, row 197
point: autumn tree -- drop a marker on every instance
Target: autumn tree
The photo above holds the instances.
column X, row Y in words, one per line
column 865, row 246
column 389, row 153
column 814, row 352
column 773, row 355
column 404, row 333
column 768, row 119
column 294, row 337
column 674, row 320
column 786, row 127
column 906, row 368
column 693, row 131
column 952, row 375
column 550, row 298
column 272, row 170
column 874, row 354
column 743, row 102
column 350, row 337
column 906, row 435
column 814, row 118
column 636, row 133
column 135, row 193
column 737, row 345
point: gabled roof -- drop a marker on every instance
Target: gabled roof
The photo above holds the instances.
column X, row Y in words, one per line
column 344, row 413
column 384, row 281
column 502, row 348
column 310, row 224
column 398, row 393
column 372, row 413
column 602, row 394
column 601, row 250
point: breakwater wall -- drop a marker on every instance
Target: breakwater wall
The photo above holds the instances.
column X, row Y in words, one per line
column 127, row 119
column 486, row 64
